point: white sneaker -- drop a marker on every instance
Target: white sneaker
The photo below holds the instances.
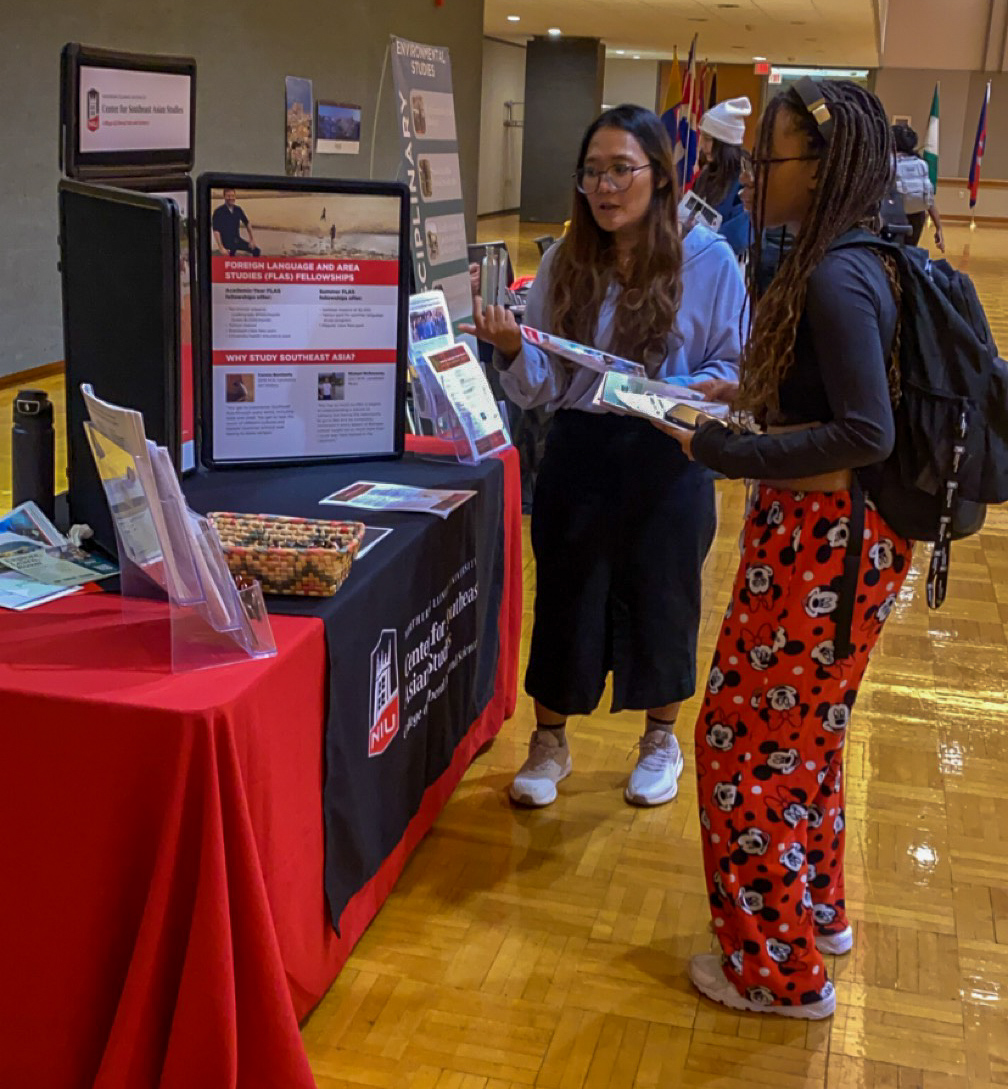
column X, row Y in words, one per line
column 548, row 763
column 835, row 945
column 709, row 979
column 655, row 780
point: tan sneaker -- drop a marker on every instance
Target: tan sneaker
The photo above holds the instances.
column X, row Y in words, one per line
column 548, row 763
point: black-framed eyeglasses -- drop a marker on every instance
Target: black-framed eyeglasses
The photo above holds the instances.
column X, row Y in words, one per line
column 750, row 166
column 620, row 175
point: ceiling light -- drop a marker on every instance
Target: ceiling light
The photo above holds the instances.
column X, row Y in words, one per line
column 514, row 18
column 759, row 58
column 620, row 52
column 554, row 32
column 636, row 56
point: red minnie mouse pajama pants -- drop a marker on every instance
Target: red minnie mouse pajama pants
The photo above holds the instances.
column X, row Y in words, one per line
column 770, row 737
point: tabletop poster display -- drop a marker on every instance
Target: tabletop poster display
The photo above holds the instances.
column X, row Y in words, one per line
column 425, row 107
column 304, row 318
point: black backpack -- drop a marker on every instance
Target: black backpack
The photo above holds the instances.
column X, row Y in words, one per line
column 951, row 452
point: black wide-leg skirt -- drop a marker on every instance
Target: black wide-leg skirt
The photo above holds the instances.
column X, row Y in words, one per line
column 621, row 524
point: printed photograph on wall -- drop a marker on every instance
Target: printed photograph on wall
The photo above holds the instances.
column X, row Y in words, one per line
column 337, row 128
column 299, row 135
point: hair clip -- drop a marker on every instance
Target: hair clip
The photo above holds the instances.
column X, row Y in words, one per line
column 815, row 102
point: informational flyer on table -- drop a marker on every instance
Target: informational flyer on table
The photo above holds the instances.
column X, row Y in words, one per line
column 304, row 323
column 430, row 161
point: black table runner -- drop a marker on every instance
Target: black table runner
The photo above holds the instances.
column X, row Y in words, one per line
column 412, row 640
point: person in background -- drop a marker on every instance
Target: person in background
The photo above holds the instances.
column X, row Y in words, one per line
column 722, row 157
column 820, row 568
column 621, row 520
column 913, row 183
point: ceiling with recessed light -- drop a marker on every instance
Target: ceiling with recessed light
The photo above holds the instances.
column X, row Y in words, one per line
column 808, row 32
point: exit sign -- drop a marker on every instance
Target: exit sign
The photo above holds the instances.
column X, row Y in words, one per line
column 762, row 68
column 776, row 77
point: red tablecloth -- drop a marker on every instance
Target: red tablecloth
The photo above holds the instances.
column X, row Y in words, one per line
column 161, row 848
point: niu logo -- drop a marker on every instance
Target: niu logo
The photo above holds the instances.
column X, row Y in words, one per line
column 92, row 110
column 384, row 693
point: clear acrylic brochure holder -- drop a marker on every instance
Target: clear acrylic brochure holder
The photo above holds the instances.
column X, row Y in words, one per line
column 170, row 554
column 446, row 420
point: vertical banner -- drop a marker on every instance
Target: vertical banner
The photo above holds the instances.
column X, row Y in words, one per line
column 425, row 107
column 299, row 142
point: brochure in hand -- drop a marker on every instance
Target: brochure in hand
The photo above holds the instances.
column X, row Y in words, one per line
column 629, row 395
column 581, row 354
column 398, row 497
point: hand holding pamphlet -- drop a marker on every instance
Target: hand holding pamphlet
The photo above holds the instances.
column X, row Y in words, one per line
column 581, row 354
column 651, row 400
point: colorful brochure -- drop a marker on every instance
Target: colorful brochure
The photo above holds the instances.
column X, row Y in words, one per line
column 581, row 354
column 370, row 495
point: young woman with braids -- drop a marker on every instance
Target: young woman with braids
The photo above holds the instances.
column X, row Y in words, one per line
column 621, row 519
column 820, row 569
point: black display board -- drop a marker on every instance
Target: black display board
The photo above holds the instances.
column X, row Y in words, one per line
column 180, row 189
column 125, row 114
column 119, row 259
column 304, row 295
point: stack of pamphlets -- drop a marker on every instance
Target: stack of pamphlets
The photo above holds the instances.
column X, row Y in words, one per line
column 450, row 387
column 38, row 564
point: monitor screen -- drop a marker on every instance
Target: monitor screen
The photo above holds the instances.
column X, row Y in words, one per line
column 304, row 318
column 119, row 257
column 126, row 112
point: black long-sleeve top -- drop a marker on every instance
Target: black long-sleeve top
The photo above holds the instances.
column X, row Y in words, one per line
column 838, row 380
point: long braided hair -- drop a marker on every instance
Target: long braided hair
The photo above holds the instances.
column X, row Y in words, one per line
column 855, row 172
column 586, row 262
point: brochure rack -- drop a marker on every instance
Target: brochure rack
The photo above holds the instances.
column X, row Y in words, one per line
column 170, row 554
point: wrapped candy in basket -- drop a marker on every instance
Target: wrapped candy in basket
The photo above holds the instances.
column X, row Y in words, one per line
column 301, row 556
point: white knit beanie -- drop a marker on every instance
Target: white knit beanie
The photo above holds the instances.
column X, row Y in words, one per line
column 726, row 120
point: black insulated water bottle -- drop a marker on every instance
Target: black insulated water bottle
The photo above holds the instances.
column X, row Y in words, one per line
column 33, row 446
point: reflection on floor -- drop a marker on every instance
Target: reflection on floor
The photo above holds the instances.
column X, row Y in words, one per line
column 549, row 948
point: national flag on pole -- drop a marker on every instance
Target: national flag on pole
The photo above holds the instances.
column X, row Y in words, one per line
column 931, row 140
column 686, row 131
column 712, row 98
column 673, row 93
column 978, row 150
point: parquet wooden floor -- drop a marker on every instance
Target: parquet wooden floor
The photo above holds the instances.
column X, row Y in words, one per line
column 549, row 948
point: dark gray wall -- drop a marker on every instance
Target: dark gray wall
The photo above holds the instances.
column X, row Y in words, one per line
column 563, row 95
column 243, row 50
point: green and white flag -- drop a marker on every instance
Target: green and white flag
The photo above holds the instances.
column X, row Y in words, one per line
column 931, row 141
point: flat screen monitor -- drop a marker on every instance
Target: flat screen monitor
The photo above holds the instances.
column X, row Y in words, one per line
column 180, row 190
column 119, row 258
column 126, row 113
column 304, row 298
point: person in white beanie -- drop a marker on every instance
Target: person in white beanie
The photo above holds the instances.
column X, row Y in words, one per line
column 722, row 132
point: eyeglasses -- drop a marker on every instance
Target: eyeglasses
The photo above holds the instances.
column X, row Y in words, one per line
column 620, row 177
column 750, row 166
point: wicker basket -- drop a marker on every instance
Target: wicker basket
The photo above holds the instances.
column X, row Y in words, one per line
column 303, row 556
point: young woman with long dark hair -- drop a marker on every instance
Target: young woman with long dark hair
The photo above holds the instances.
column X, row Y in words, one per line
column 722, row 160
column 621, row 520
column 820, row 568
